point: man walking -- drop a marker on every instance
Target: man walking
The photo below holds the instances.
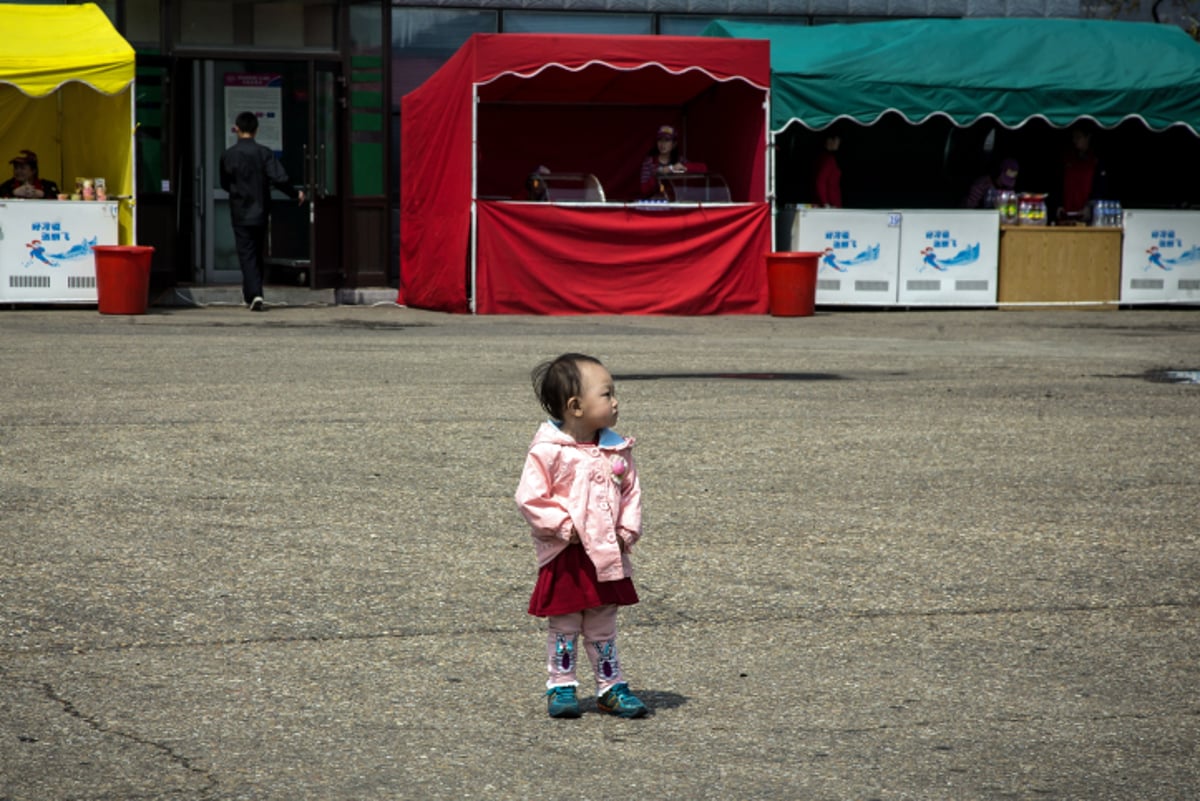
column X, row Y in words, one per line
column 248, row 171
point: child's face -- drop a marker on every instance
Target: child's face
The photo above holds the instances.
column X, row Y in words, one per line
column 596, row 405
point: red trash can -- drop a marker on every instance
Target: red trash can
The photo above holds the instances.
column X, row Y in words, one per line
column 792, row 283
column 123, row 278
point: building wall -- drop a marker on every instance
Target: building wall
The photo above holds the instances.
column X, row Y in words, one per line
column 879, row 9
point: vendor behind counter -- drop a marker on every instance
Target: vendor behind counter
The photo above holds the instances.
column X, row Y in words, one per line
column 26, row 183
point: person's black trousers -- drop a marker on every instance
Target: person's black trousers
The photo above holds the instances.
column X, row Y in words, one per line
column 250, row 241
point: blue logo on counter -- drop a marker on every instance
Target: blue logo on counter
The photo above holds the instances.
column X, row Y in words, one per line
column 836, row 255
column 940, row 240
column 1167, row 240
column 51, row 245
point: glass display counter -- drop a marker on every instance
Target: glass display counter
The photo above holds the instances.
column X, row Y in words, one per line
column 573, row 187
column 691, row 187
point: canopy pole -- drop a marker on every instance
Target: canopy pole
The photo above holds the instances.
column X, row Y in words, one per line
column 133, row 126
column 770, row 143
column 474, row 218
column 58, row 140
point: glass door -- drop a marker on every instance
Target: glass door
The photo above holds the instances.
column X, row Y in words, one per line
column 323, row 159
column 296, row 102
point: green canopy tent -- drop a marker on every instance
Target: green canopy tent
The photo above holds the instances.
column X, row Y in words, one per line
column 1010, row 70
column 929, row 91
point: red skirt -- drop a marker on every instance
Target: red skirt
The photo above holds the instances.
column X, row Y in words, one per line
column 568, row 584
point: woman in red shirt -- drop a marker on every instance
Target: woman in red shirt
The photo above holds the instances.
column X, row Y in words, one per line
column 827, row 186
column 1083, row 175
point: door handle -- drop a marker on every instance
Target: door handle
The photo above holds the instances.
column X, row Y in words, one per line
column 306, row 179
column 322, row 189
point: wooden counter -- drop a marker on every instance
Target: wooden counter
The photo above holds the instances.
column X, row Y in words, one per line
column 1059, row 265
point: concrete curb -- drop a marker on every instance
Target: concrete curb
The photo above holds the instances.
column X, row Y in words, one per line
column 275, row 296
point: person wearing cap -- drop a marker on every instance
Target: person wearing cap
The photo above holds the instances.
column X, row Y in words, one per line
column 982, row 193
column 26, row 183
column 662, row 159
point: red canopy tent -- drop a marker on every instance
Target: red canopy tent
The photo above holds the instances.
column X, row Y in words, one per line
column 506, row 103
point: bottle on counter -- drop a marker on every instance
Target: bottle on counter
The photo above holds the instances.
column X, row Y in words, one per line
column 1006, row 204
column 1031, row 209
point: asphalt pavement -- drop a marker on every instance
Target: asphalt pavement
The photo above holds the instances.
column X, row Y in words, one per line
column 935, row 555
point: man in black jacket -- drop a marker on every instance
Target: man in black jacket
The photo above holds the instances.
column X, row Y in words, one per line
column 248, row 171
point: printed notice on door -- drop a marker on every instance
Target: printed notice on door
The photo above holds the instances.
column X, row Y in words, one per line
column 262, row 95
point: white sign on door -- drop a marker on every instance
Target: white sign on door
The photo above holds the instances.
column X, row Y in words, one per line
column 262, row 95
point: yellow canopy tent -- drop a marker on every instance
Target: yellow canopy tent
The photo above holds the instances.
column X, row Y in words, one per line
column 66, row 92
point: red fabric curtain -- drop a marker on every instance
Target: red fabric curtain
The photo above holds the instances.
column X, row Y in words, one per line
column 435, row 189
column 544, row 259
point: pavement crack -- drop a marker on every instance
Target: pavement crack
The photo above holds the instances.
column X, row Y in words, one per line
column 1021, row 610
column 68, row 707
column 236, row 642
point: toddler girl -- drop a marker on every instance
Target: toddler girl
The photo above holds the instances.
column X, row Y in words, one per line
column 579, row 491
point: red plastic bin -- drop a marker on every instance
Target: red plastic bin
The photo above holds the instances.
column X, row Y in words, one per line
column 792, row 283
column 123, row 278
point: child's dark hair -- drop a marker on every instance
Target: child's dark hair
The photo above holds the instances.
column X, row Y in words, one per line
column 557, row 381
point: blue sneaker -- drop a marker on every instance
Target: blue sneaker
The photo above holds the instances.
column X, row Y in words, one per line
column 621, row 702
column 561, row 702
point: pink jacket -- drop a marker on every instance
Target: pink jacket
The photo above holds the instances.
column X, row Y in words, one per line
column 592, row 489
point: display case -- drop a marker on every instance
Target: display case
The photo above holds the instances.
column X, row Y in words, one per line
column 46, row 249
column 572, row 187
column 690, row 187
column 1160, row 259
column 860, row 254
column 948, row 257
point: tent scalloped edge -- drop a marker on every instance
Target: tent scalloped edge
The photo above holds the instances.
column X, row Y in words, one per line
column 61, row 84
column 643, row 65
column 973, row 120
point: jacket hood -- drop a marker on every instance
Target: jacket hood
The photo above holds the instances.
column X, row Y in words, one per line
column 551, row 431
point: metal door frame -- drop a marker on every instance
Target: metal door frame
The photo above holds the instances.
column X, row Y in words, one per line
column 320, row 159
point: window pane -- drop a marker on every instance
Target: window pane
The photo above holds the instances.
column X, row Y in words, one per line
column 291, row 25
column 141, row 22
column 368, row 111
column 680, row 25
column 424, row 38
column 577, row 22
column 683, row 26
column 151, row 112
column 366, row 30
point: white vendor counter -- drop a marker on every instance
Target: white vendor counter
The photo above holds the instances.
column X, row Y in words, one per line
column 46, row 249
column 941, row 257
column 1160, row 257
column 901, row 257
